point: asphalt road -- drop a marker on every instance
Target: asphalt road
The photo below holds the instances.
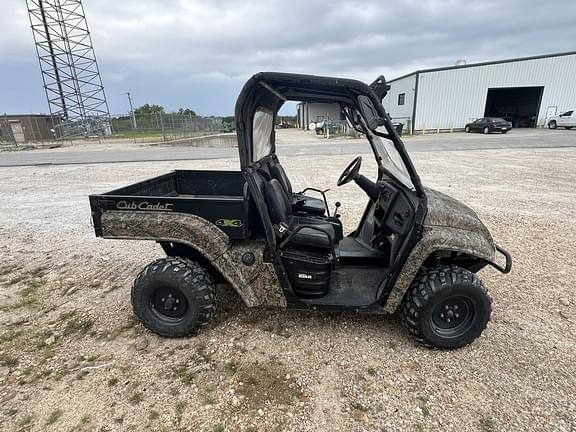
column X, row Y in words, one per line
column 293, row 143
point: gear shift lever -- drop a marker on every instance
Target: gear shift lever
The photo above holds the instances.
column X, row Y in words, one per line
column 337, row 204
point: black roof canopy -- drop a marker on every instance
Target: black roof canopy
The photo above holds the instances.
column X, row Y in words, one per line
column 271, row 89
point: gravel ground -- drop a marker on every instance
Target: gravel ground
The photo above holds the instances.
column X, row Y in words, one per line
column 73, row 358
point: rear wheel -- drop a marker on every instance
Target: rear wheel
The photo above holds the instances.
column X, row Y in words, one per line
column 173, row 297
column 568, row 127
column 446, row 307
column 467, row 129
column 486, row 130
column 552, row 124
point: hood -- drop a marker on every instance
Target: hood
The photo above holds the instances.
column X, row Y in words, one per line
column 445, row 211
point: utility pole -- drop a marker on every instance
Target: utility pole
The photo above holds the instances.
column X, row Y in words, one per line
column 134, row 125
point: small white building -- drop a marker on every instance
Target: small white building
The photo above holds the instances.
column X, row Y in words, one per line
column 307, row 113
column 524, row 91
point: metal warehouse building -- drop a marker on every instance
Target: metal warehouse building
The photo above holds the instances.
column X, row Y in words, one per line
column 307, row 113
column 524, row 91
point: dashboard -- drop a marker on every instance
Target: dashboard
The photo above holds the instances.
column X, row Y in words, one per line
column 393, row 211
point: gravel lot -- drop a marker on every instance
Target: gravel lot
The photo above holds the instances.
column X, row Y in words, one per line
column 73, row 358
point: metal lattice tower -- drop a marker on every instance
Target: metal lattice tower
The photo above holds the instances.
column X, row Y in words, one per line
column 70, row 73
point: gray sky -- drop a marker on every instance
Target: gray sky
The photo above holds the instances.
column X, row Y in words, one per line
column 197, row 53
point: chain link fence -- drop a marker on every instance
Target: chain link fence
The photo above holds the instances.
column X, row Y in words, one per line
column 138, row 128
column 162, row 127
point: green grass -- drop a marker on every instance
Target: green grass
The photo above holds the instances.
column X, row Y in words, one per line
column 135, row 398
column 180, row 408
column 80, row 375
column 54, row 416
column 423, row 404
column 10, row 336
column 232, row 366
column 170, row 134
column 488, row 424
column 208, row 396
column 29, row 295
column 360, row 407
column 78, row 325
column 184, row 374
column 8, row 360
column 26, row 420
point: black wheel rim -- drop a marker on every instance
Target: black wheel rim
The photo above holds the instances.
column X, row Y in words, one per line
column 168, row 304
column 453, row 317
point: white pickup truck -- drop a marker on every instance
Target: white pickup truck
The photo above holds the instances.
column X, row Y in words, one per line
column 566, row 120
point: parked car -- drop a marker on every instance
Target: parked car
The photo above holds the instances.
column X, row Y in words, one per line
column 566, row 120
column 488, row 124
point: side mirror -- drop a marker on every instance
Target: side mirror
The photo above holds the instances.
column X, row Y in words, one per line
column 380, row 87
column 371, row 117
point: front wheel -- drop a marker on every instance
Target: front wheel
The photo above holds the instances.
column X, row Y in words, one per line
column 568, row 127
column 446, row 307
column 173, row 297
column 486, row 130
column 552, row 124
column 467, row 129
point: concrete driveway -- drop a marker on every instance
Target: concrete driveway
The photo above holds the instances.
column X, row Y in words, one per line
column 290, row 142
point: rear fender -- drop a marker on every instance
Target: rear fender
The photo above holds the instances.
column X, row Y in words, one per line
column 256, row 281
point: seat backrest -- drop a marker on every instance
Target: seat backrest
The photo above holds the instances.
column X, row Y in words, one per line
column 278, row 204
column 277, row 172
column 260, row 183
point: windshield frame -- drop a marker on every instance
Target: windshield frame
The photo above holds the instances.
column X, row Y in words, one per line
column 411, row 180
column 393, row 136
column 382, row 154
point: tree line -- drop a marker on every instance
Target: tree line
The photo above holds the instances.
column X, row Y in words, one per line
column 159, row 109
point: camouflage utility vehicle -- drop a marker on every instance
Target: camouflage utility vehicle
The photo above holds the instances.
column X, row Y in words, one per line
column 415, row 250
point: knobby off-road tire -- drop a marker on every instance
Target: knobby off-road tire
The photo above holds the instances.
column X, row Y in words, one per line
column 173, row 297
column 446, row 307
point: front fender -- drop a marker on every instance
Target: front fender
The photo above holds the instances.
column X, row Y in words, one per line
column 439, row 238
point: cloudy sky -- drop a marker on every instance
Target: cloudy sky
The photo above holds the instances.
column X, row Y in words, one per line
column 197, row 53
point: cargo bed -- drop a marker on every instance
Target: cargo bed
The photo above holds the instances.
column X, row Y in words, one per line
column 220, row 197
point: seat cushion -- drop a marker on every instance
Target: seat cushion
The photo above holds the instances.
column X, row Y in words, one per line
column 305, row 204
column 313, row 238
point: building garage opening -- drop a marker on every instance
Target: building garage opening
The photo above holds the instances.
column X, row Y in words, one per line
column 519, row 105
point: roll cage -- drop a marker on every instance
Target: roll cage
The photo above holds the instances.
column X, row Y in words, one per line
column 270, row 90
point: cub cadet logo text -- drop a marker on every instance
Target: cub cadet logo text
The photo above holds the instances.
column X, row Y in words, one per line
column 144, row 205
column 229, row 223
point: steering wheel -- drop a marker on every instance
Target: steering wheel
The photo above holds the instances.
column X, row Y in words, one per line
column 350, row 172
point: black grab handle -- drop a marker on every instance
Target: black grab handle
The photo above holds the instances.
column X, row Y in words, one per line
column 508, row 266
